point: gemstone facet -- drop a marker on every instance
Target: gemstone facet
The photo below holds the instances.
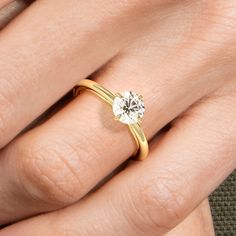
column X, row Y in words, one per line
column 128, row 107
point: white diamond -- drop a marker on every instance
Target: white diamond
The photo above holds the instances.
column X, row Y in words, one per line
column 128, row 107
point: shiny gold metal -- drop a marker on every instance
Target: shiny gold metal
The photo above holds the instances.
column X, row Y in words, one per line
column 142, row 149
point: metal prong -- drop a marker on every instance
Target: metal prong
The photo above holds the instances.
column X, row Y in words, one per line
column 140, row 121
column 116, row 118
column 118, row 95
column 141, row 97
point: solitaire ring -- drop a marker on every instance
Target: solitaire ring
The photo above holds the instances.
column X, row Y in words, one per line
column 128, row 108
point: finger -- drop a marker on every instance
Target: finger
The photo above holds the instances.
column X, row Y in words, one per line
column 70, row 40
column 199, row 222
column 5, row 2
column 56, row 164
column 156, row 195
column 10, row 11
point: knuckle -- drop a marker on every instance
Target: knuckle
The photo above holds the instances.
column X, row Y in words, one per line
column 49, row 172
column 159, row 204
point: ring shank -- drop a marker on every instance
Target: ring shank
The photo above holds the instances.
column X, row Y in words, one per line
column 142, row 149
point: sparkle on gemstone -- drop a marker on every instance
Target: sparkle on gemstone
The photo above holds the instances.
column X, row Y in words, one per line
column 128, row 107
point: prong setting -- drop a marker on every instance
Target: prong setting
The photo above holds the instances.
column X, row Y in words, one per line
column 128, row 107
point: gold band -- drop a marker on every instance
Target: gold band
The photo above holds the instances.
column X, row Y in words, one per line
column 142, row 145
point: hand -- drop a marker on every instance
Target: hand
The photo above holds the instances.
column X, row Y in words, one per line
column 179, row 55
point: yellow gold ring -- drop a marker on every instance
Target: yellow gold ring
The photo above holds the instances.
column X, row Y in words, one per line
column 128, row 108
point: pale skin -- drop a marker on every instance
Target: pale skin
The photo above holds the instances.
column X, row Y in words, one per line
column 180, row 55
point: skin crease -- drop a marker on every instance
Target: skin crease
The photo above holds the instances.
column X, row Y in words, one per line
column 198, row 223
column 10, row 11
column 130, row 58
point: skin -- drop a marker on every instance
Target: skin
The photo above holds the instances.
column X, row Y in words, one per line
column 180, row 55
column 198, row 223
column 9, row 11
column 4, row 3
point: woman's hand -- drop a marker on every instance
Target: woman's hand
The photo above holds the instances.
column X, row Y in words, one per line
column 179, row 54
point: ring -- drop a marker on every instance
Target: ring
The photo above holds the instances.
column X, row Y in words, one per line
column 128, row 108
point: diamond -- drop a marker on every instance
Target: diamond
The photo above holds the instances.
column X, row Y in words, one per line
column 128, row 107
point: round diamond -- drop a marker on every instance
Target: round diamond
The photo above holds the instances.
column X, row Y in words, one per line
column 128, row 107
